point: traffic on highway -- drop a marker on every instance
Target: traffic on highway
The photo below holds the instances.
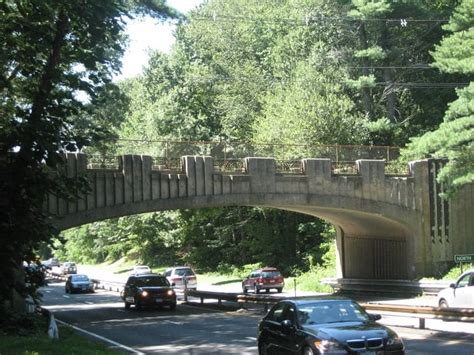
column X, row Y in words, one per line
column 212, row 328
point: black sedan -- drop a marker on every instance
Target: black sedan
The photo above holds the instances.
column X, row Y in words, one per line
column 325, row 325
column 78, row 283
column 148, row 290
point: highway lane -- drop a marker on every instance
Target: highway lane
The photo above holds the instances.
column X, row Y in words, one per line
column 199, row 330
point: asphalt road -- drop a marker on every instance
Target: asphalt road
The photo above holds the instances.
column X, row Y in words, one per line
column 199, row 329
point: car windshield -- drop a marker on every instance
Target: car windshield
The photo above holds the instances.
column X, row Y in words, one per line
column 79, row 278
column 152, row 281
column 269, row 274
column 184, row 272
column 331, row 312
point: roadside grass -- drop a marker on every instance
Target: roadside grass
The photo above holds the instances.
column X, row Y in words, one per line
column 34, row 340
column 452, row 274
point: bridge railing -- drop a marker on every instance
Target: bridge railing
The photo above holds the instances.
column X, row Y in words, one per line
column 230, row 150
column 342, row 159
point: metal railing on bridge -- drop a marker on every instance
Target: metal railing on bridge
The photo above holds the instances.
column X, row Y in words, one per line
column 228, row 157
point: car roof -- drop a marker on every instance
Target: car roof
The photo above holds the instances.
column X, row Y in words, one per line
column 316, row 299
column 267, row 268
column 78, row 275
column 179, row 267
column 147, row 275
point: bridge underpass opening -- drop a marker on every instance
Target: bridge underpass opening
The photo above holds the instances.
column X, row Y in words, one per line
column 368, row 246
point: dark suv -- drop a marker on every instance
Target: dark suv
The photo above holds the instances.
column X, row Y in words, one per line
column 264, row 279
column 148, row 290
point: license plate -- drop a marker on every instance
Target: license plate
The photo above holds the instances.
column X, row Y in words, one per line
column 272, row 281
column 159, row 300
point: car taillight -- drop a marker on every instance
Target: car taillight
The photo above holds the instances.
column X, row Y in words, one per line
column 176, row 279
column 191, row 277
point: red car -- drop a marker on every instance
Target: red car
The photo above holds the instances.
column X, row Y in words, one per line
column 264, row 279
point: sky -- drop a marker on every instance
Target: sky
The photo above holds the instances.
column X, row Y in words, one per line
column 150, row 34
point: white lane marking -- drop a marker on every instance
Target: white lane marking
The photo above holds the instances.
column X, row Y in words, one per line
column 130, row 350
column 88, row 302
column 172, row 322
column 66, row 296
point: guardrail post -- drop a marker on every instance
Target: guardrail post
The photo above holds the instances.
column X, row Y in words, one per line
column 422, row 323
column 185, row 289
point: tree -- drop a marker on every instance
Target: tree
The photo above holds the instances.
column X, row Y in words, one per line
column 454, row 139
column 56, row 51
column 393, row 83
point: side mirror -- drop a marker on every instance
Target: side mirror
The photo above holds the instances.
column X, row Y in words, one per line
column 375, row 317
column 173, row 284
column 452, row 285
column 287, row 326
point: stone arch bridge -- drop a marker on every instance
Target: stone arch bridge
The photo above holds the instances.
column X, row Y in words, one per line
column 388, row 227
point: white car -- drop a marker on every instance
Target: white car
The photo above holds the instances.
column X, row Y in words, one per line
column 459, row 294
column 178, row 276
column 141, row 269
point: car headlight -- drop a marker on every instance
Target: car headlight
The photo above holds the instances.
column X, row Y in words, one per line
column 144, row 293
column 328, row 346
column 170, row 292
column 395, row 341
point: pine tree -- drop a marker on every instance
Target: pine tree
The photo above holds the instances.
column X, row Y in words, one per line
column 454, row 139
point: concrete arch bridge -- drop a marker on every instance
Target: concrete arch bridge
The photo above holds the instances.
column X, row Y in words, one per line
column 388, row 227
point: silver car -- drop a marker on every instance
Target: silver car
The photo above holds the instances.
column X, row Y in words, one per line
column 178, row 276
column 459, row 294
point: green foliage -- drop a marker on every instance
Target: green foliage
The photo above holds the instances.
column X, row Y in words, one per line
column 54, row 52
column 454, row 139
column 373, row 53
column 455, row 272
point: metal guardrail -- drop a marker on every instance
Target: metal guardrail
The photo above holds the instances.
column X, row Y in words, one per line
column 420, row 312
column 387, row 286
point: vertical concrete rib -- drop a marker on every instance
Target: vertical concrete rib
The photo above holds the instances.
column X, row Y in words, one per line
column 137, row 178
column 190, row 163
column 128, row 183
column 147, row 162
column 208, row 175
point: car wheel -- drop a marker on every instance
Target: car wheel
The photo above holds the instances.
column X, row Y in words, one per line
column 279, row 290
column 256, row 289
column 66, row 290
column 244, row 289
column 127, row 305
column 443, row 304
column 173, row 307
column 262, row 349
column 308, row 351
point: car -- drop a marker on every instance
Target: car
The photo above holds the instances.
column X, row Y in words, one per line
column 325, row 325
column 181, row 277
column 78, row 283
column 148, row 290
column 459, row 294
column 266, row 279
column 50, row 263
column 140, row 269
column 68, row 268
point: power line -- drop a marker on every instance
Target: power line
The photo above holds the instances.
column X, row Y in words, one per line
column 308, row 20
column 426, row 85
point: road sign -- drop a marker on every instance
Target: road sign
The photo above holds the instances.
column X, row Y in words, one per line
column 467, row 258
